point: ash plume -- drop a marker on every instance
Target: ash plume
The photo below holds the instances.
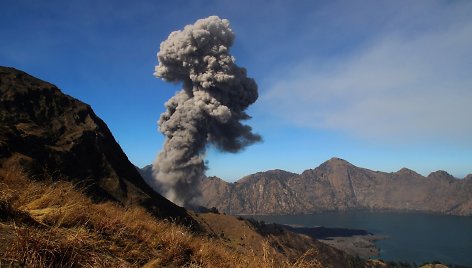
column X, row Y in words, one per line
column 207, row 111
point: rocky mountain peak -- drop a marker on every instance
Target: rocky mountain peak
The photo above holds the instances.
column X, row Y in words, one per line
column 407, row 172
column 270, row 174
column 45, row 131
column 440, row 174
column 333, row 165
column 335, row 161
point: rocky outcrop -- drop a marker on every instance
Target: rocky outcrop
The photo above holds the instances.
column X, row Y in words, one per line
column 337, row 185
column 55, row 136
column 257, row 192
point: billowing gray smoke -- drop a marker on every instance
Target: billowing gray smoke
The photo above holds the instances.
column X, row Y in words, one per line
column 207, row 111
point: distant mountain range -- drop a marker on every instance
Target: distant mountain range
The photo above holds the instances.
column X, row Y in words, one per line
column 337, row 185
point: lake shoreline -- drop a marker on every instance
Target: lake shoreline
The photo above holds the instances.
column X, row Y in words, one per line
column 355, row 242
column 411, row 237
column 366, row 210
column 359, row 245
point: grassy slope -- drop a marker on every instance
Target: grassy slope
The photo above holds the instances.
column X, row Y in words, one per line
column 52, row 224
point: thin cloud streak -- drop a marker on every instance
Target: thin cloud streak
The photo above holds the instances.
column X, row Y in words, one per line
column 401, row 87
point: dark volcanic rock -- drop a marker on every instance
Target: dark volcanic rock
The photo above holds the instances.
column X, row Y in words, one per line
column 48, row 132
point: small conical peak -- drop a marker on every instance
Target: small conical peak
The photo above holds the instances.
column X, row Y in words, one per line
column 440, row 174
column 147, row 167
column 269, row 174
column 335, row 161
column 332, row 164
column 406, row 171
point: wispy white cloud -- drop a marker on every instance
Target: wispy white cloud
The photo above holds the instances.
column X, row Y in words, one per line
column 401, row 86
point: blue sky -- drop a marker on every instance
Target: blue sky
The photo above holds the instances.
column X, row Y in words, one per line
column 382, row 84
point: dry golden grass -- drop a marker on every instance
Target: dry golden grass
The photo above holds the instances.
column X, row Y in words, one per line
column 53, row 224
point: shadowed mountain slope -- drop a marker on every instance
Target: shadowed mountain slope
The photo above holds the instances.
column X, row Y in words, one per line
column 53, row 135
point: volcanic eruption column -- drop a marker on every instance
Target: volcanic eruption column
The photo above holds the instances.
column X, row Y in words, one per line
column 207, row 111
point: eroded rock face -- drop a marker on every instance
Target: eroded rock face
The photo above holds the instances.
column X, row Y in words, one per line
column 50, row 133
column 337, row 185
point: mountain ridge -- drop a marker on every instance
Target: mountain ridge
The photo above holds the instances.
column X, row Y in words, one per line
column 337, row 185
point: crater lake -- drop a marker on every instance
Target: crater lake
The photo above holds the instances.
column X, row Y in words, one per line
column 412, row 237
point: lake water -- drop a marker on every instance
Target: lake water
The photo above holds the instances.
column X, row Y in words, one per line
column 412, row 237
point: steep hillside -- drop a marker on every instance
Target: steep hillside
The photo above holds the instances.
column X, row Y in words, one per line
column 257, row 192
column 45, row 224
column 50, row 133
column 338, row 185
